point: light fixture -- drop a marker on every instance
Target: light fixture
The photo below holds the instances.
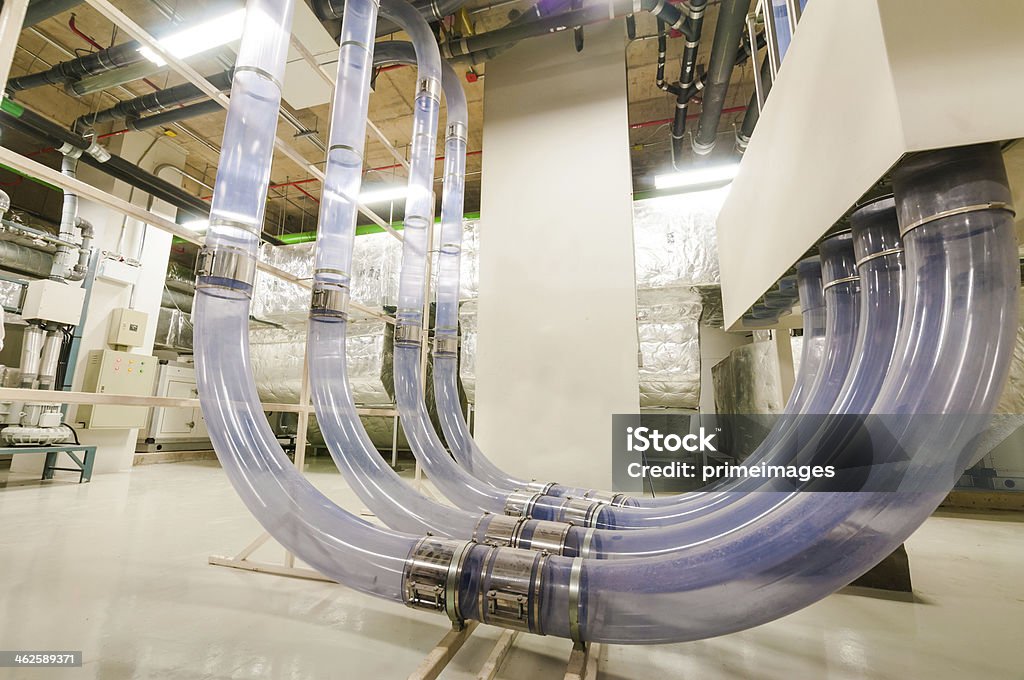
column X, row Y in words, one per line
column 199, row 38
column 698, row 177
column 196, row 225
column 383, row 194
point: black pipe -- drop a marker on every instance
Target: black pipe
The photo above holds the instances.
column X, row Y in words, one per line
column 594, row 14
column 48, row 132
column 41, row 10
column 155, row 101
column 671, row 88
column 175, row 115
column 753, row 113
column 732, row 18
column 74, row 69
column 687, row 77
column 431, row 10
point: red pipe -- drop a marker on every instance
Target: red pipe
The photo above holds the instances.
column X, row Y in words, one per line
column 667, row 121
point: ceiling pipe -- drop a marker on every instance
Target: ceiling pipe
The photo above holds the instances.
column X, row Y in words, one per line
column 431, row 10
column 75, row 69
column 687, row 78
column 732, row 18
column 132, row 109
column 753, row 113
column 501, row 37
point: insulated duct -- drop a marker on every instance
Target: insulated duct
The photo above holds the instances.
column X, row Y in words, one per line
column 41, row 10
column 805, row 548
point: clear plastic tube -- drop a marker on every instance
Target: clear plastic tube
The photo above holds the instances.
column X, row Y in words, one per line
column 336, row 543
column 463, row 489
column 376, row 484
column 949, row 365
column 783, row 443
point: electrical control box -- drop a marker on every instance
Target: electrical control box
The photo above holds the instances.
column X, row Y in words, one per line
column 127, row 328
column 113, row 372
column 54, row 301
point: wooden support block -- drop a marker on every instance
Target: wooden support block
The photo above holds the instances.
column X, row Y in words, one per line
column 498, row 654
column 439, row 657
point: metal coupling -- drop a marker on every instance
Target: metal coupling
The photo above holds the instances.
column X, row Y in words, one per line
column 502, row 531
column 408, row 334
column 432, row 574
column 446, row 345
column 457, row 130
column 220, row 266
column 329, row 299
column 506, row 531
column 581, row 511
column 618, row 500
column 511, row 585
column 430, row 86
column 520, row 503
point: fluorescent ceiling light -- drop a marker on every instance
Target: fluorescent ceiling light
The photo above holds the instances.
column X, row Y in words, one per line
column 713, row 174
column 196, row 225
column 199, row 38
column 383, row 195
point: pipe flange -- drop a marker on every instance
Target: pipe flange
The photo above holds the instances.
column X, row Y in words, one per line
column 511, row 584
column 432, row 574
column 408, row 334
column 880, row 253
column 329, row 299
column 219, row 266
column 978, row 207
column 520, row 503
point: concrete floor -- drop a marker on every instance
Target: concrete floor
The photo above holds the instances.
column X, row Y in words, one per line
column 117, row 568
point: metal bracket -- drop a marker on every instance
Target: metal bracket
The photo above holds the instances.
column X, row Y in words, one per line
column 329, row 300
column 432, row 86
column 457, row 130
column 225, row 264
column 446, row 345
column 408, row 334
column 979, row 207
column 581, row 511
column 510, row 589
column 618, row 500
column 432, row 574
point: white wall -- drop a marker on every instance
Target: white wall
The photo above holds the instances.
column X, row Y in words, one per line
column 117, row 447
column 557, row 345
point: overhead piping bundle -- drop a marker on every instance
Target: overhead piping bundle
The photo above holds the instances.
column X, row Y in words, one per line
column 958, row 240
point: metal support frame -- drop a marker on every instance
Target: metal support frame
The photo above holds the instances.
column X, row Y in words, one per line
column 122, row 21
column 84, row 463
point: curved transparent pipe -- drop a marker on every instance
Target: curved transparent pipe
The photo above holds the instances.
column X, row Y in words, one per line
column 783, row 443
column 377, row 485
column 948, row 371
column 304, row 521
column 463, row 489
column 963, row 264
